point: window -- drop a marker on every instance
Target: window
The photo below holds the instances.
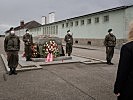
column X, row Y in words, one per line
column 76, row 23
column 56, row 29
column 62, row 25
column 71, row 23
column 47, row 30
column 97, row 20
column 66, row 24
column 106, row 18
column 82, row 22
column 88, row 21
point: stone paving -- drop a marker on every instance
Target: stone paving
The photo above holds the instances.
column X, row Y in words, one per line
column 73, row 81
column 36, row 63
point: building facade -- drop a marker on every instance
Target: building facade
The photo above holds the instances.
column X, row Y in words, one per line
column 91, row 29
column 20, row 30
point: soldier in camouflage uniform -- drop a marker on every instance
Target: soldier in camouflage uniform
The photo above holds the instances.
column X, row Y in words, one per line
column 28, row 41
column 11, row 47
column 69, row 42
column 110, row 42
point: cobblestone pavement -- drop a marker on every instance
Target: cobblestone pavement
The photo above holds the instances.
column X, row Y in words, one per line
column 61, row 82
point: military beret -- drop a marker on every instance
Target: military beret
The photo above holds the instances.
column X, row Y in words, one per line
column 11, row 28
column 27, row 30
column 109, row 30
column 68, row 31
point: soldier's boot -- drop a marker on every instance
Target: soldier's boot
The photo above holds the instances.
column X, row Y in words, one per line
column 11, row 71
column 109, row 63
column 69, row 54
column 28, row 58
column 14, row 71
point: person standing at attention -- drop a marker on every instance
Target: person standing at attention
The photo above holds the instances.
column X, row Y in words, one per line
column 110, row 43
column 69, row 42
column 28, row 42
column 11, row 47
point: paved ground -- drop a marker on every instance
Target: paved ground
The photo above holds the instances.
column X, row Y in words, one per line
column 62, row 82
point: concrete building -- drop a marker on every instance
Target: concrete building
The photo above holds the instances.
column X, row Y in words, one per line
column 91, row 28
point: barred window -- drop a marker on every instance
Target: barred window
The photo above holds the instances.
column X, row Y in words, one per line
column 76, row 23
column 106, row 18
column 82, row 22
column 71, row 23
column 97, row 20
column 66, row 24
column 62, row 25
column 88, row 21
column 56, row 29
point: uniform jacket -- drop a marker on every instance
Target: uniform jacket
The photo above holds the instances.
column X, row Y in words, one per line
column 11, row 43
column 28, row 40
column 69, row 39
column 124, row 79
column 110, row 40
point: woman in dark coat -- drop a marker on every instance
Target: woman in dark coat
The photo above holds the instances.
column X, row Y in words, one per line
column 123, row 87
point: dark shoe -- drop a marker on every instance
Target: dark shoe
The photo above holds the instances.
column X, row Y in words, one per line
column 11, row 71
column 107, row 62
column 110, row 63
column 14, row 71
column 28, row 60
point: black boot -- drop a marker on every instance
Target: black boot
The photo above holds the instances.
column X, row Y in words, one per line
column 11, row 71
column 14, row 71
column 110, row 63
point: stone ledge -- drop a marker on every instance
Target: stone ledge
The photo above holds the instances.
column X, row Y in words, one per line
column 31, row 65
column 19, row 67
column 55, row 59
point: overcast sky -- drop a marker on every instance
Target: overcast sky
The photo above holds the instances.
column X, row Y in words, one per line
column 13, row 11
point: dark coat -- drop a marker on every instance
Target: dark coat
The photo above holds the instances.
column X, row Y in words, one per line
column 12, row 46
column 28, row 41
column 110, row 40
column 69, row 42
column 69, row 39
column 11, row 43
column 124, row 79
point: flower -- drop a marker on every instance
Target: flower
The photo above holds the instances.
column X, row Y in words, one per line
column 50, row 47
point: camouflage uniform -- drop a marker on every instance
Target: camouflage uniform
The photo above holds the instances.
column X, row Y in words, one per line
column 69, row 44
column 12, row 46
column 109, row 42
column 28, row 41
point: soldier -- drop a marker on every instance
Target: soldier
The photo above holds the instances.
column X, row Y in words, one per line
column 28, row 41
column 11, row 47
column 69, row 42
column 110, row 42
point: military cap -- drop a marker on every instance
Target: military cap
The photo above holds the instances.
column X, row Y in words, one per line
column 11, row 29
column 27, row 30
column 68, row 31
column 109, row 30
